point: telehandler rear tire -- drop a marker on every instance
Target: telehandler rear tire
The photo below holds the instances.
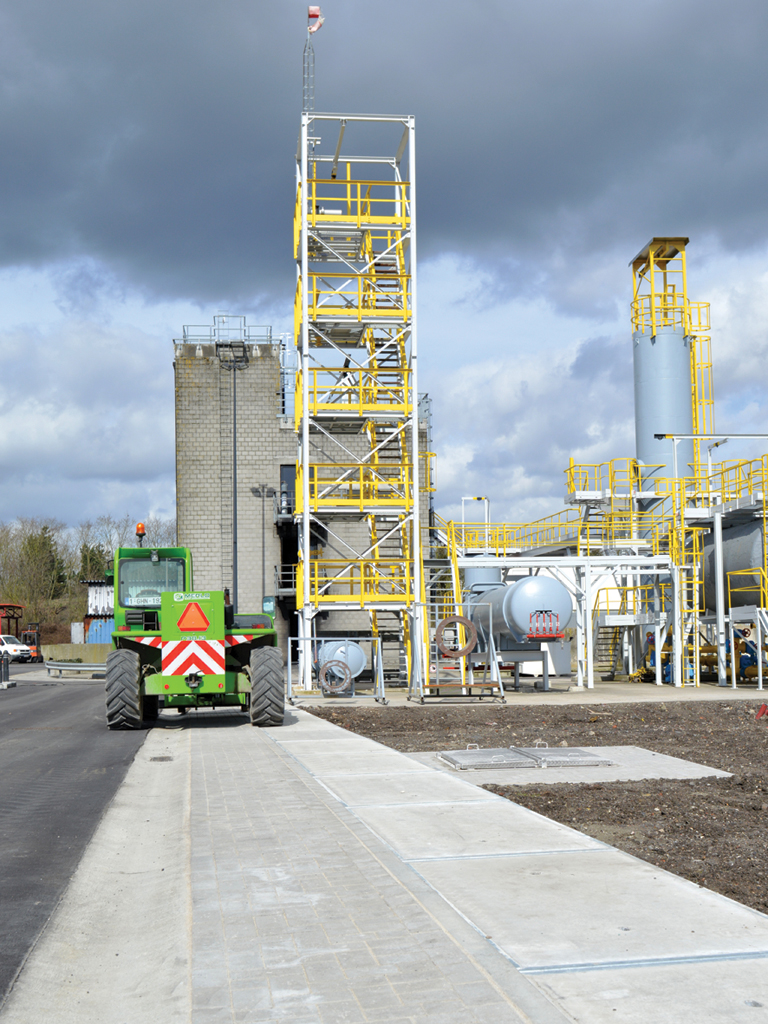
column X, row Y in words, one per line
column 267, row 688
column 125, row 704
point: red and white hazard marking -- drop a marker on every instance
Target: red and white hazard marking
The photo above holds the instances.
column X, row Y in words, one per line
column 151, row 641
column 233, row 641
column 180, row 657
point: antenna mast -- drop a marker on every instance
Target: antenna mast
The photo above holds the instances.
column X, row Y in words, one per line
column 314, row 21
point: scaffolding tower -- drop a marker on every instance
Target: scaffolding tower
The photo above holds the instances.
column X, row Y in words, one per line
column 357, row 472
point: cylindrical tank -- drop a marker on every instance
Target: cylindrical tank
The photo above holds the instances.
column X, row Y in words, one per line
column 508, row 610
column 742, row 549
column 348, row 651
column 481, row 577
column 662, row 375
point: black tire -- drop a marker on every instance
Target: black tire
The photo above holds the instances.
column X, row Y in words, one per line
column 267, row 689
column 125, row 702
column 151, row 707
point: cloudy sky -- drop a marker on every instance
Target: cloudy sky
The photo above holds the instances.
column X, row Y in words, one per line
column 146, row 181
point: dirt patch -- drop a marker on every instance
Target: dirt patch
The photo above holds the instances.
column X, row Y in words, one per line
column 711, row 831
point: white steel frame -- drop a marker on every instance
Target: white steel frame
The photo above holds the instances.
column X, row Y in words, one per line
column 581, row 589
column 308, row 153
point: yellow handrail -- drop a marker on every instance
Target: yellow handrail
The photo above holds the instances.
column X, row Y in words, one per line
column 761, row 586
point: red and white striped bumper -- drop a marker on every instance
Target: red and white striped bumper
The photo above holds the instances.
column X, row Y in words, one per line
column 180, row 657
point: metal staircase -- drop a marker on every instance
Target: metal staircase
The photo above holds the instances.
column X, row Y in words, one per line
column 606, row 648
column 357, row 485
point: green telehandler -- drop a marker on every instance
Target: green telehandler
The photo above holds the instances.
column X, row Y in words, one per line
column 187, row 647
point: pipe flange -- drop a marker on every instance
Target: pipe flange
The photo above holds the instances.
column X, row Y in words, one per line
column 457, row 620
column 337, row 668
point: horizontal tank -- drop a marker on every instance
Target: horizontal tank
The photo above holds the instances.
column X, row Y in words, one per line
column 347, row 651
column 742, row 549
column 508, row 610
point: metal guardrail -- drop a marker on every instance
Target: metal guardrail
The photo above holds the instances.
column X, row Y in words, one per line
column 73, row 666
column 285, row 579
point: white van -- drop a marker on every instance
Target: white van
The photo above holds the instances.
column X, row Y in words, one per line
column 15, row 650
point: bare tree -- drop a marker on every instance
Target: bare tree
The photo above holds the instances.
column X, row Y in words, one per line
column 115, row 533
column 161, row 533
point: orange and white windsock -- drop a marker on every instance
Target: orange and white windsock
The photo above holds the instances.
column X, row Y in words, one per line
column 314, row 19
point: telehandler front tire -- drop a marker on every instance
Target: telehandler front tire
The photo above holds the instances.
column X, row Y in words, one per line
column 267, row 688
column 125, row 704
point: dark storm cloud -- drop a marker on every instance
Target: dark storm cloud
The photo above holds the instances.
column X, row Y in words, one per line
column 158, row 137
column 92, row 416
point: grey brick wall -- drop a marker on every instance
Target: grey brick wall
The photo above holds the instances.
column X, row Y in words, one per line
column 265, row 441
column 204, row 467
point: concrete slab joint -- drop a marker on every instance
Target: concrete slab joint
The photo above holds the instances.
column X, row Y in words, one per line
column 330, row 879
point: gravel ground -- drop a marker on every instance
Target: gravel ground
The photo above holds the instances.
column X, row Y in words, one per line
column 712, row 831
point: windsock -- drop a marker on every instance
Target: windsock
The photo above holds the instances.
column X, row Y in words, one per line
column 315, row 19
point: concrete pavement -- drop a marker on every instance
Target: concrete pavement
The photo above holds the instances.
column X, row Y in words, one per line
column 605, row 936
column 630, row 764
column 331, row 879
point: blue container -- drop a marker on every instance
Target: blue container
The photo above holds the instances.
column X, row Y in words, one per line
column 100, row 631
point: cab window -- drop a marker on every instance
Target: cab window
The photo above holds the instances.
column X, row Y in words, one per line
column 141, row 581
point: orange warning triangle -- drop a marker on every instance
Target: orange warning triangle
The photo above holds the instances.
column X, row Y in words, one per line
column 193, row 618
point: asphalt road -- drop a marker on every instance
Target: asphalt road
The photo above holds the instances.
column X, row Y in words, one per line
column 21, row 668
column 60, row 766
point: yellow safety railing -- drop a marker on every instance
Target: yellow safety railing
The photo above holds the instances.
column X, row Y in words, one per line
column 631, row 600
column 591, row 478
column 620, row 528
column 350, row 485
column 458, row 605
column 644, row 599
column 428, row 486
column 297, row 315
column 618, row 480
column 745, row 479
column 359, row 296
column 441, row 524
column 659, row 311
column 359, row 204
column 360, row 581
column 297, row 222
column 702, row 396
column 752, row 581
column 349, row 390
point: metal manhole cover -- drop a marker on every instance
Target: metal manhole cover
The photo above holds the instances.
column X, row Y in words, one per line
column 495, row 757
column 521, row 757
column 564, row 757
